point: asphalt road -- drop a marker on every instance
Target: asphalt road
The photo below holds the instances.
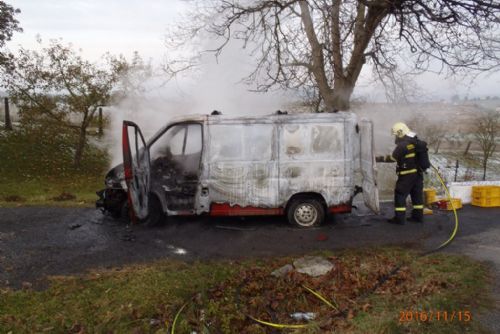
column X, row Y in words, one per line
column 39, row 241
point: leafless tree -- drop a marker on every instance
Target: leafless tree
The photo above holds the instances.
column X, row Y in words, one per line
column 487, row 132
column 399, row 88
column 326, row 43
column 430, row 131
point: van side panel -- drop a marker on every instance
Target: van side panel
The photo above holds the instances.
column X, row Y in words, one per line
column 254, row 165
column 315, row 157
column 243, row 169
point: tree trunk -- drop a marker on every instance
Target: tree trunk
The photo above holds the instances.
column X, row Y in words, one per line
column 317, row 104
column 484, row 169
column 437, row 147
column 8, row 123
column 101, row 132
column 80, row 147
column 340, row 98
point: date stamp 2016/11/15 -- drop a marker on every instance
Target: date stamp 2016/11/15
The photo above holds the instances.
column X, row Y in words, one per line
column 424, row 316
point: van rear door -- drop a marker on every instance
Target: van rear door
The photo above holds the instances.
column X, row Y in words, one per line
column 367, row 161
column 136, row 165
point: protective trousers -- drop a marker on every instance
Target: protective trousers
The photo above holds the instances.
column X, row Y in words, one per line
column 413, row 185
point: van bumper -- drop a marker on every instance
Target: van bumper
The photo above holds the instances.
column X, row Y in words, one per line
column 111, row 200
column 341, row 208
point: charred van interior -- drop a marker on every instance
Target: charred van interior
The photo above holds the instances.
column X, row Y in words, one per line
column 301, row 166
column 175, row 165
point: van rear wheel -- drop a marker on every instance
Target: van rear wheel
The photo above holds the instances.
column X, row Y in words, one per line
column 305, row 212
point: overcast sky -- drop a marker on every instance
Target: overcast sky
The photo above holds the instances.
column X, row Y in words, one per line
column 117, row 26
column 122, row 26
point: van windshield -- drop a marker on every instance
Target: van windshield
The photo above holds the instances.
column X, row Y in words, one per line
column 179, row 149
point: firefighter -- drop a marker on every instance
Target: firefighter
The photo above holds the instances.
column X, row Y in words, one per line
column 410, row 175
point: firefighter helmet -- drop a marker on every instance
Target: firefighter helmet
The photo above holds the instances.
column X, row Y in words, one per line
column 400, row 129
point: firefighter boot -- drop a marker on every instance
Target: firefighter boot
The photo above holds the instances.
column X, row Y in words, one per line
column 417, row 215
column 416, row 218
column 399, row 218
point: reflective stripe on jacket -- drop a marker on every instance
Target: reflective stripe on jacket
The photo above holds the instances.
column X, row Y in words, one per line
column 405, row 156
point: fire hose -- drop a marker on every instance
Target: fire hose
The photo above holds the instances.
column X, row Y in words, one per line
column 394, row 271
column 379, row 282
column 454, row 233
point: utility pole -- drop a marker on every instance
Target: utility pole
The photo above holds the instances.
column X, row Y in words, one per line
column 467, row 148
column 8, row 123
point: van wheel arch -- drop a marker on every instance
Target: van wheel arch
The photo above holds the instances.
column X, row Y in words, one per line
column 306, row 210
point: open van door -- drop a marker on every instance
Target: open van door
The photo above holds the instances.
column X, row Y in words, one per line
column 367, row 161
column 136, row 165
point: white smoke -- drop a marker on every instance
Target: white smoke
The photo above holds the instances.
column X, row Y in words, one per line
column 215, row 85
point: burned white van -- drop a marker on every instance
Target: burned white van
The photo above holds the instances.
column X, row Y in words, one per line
column 303, row 166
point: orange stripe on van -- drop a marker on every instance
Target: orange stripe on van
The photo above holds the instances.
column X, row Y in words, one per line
column 225, row 209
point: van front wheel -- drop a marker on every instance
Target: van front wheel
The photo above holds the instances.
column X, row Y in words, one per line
column 156, row 215
column 306, row 212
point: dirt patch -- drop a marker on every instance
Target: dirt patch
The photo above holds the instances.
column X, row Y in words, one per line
column 14, row 198
column 64, row 196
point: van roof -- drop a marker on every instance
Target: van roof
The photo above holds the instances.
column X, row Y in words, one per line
column 213, row 119
column 272, row 118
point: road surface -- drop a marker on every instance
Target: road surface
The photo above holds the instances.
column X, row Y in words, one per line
column 40, row 241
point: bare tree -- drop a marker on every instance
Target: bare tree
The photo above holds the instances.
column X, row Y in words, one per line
column 487, row 131
column 326, row 43
column 430, row 131
column 55, row 85
column 399, row 88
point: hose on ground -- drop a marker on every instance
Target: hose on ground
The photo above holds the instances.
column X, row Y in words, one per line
column 396, row 268
column 379, row 282
column 455, row 229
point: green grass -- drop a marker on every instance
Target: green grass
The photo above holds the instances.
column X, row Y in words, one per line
column 38, row 167
column 25, row 192
column 119, row 300
column 220, row 294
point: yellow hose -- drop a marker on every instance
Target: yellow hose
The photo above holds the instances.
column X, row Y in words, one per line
column 271, row 324
column 320, row 297
column 452, row 236
column 316, row 294
column 176, row 317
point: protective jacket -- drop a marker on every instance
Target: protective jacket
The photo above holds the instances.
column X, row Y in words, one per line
column 405, row 156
